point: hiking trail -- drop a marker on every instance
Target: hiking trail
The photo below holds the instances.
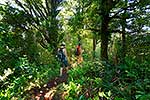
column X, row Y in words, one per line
column 48, row 91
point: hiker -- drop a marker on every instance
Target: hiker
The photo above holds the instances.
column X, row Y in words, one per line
column 79, row 53
column 62, row 57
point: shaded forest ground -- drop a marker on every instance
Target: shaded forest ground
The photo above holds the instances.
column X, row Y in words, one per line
column 91, row 80
column 97, row 81
column 48, row 91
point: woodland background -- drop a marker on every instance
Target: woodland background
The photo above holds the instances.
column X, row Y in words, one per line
column 115, row 38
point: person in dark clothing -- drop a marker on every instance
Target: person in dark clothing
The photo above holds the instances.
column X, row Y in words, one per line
column 62, row 57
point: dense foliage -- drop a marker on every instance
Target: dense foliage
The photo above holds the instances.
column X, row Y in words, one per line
column 114, row 36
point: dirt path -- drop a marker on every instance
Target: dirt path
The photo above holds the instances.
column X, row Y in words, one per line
column 47, row 91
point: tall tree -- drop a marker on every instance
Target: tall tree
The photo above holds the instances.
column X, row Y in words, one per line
column 117, row 9
column 41, row 17
column 105, row 8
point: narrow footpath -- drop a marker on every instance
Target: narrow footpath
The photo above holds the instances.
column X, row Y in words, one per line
column 48, row 91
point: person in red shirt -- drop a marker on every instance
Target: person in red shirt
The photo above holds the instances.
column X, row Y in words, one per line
column 79, row 53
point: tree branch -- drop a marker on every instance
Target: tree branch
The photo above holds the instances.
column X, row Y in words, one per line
column 44, row 9
column 94, row 29
column 20, row 4
column 115, row 31
column 124, row 8
column 39, row 10
column 48, row 7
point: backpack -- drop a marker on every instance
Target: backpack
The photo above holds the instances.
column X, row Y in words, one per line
column 61, row 55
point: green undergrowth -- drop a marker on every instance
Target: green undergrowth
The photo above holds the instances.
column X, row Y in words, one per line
column 25, row 76
column 95, row 80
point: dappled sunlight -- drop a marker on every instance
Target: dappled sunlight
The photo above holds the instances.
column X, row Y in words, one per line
column 74, row 49
column 6, row 73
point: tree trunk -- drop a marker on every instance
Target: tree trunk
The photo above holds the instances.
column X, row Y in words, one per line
column 104, row 37
column 123, row 44
column 124, row 37
column 94, row 45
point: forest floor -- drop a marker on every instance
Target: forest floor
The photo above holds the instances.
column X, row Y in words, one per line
column 49, row 91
